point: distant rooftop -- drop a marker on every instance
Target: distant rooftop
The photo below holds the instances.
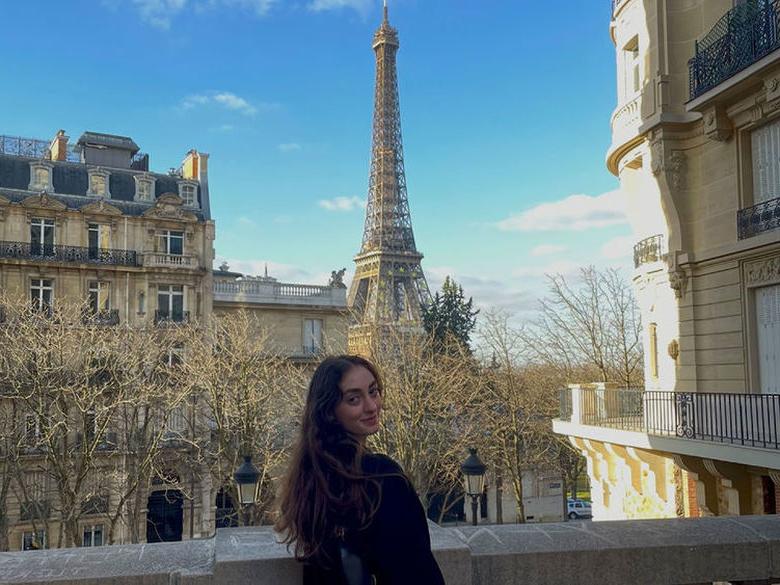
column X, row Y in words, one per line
column 108, row 140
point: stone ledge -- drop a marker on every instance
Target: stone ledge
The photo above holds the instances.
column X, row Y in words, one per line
column 640, row 552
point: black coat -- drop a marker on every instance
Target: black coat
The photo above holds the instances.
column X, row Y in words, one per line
column 396, row 545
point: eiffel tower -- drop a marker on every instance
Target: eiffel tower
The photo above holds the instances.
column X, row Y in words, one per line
column 389, row 287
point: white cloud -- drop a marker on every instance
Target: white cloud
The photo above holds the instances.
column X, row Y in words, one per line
column 223, row 128
column 342, row 203
column 548, row 249
column 564, row 267
column 289, row 147
column 361, row 6
column 488, row 293
column 575, row 212
column 245, row 221
column 619, row 247
column 224, row 99
column 280, row 271
column 160, row 13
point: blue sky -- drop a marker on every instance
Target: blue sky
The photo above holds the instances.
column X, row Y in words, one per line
column 505, row 112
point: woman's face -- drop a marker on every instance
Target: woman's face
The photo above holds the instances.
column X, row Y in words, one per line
column 361, row 401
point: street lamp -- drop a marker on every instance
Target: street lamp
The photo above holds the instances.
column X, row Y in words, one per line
column 474, row 472
column 247, row 477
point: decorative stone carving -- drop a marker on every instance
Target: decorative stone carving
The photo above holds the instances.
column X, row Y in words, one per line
column 763, row 271
column 717, row 125
column 772, row 88
column 101, row 208
column 673, row 349
column 169, row 206
column 673, row 162
column 337, row 278
column 678, row 281
column 43, row 201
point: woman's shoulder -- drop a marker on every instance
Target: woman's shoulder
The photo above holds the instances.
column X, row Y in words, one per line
column 379, row 463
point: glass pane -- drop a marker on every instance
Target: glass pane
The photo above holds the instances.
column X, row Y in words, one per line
column 163, row 301
column 176, row 243
column 178, row 306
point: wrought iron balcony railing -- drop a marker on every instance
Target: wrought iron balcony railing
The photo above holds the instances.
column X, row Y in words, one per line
column 69, row 254
column 34, row 148
column 745, row 34
column 171, row 318
column 758, row 219
column 738, row 419
column 652, row 249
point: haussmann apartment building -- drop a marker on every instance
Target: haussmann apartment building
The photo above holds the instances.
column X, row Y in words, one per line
column 696, row 147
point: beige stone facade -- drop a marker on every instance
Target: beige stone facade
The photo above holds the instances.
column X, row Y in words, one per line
column 694, row 139
column 303, row 321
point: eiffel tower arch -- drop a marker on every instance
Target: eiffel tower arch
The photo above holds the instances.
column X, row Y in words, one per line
column 389, row 288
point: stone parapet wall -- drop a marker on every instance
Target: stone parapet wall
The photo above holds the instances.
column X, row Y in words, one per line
column 649, row 552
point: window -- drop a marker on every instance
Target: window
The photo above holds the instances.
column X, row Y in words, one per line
column 312, row 335
column 632, row 79
column 98, row 183
column 90, row 425
column 41, row 290
column 174, row 357
column 653, row 349
column 40, row 176
column 170, row 242
column 99, row 239
column 41, row 237
column 99, row 297
column 187, row 191
column 765, row 146
column 170, row 302
column 32, row 430
column 144, row 188
column 768, row 333
column 34, row 540
column 92, row 535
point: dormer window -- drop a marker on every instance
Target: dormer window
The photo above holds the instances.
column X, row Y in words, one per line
column 144, row 188
column 40, row 176
column 98, row 183
column 188, row 193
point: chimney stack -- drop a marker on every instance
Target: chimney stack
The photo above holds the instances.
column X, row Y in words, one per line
column 58, row 148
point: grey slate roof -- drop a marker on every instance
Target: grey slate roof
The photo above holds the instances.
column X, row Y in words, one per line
column 70, row 182
column 112, row 140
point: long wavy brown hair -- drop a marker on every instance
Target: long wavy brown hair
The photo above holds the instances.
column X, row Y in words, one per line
column 325, row 489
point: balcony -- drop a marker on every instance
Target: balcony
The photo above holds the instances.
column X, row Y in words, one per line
column 163, row 260
column 163, row 318
column 652, row 249
column 744, row 35
column 67, row 254
column 34, row 148
column 758, row 219
column 278, row 293
column 750, row 420
column 107, row 318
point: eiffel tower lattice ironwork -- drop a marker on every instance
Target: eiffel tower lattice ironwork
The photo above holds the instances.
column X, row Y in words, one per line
column 389, row 286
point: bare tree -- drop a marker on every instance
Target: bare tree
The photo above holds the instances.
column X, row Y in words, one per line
column 249, row 397
column 521, row 400
column 592, row 323
column 431, row 409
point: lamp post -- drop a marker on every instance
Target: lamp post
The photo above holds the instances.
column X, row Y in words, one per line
column 247, row 476
column 474, row 473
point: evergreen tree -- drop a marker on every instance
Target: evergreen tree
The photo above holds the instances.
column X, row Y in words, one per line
column 450, row 314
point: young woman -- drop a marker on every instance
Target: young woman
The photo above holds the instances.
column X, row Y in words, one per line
column 338, row 496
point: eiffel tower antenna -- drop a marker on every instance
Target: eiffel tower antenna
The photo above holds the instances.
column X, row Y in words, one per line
column 389, row 287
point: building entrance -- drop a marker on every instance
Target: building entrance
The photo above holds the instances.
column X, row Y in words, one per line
column 164, row 519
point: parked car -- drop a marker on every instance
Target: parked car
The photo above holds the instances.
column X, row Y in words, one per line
column 578, row 509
